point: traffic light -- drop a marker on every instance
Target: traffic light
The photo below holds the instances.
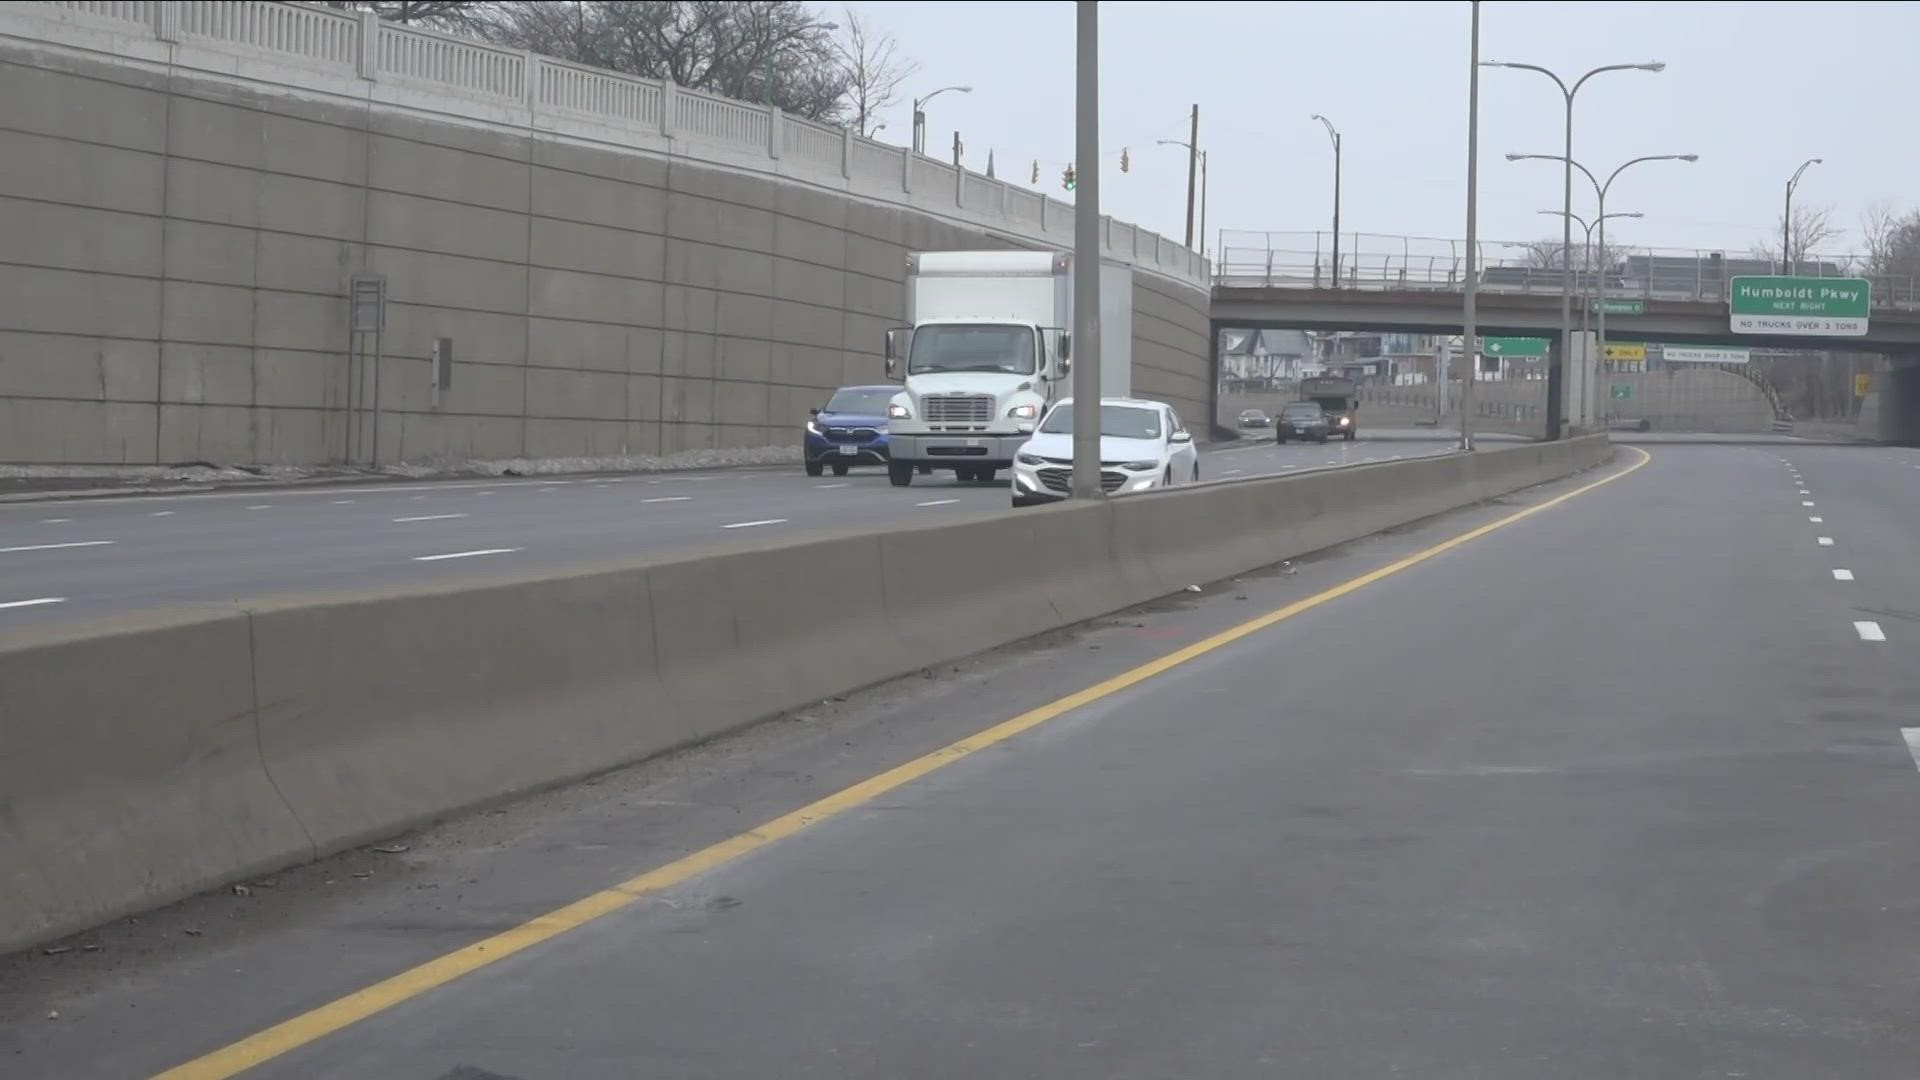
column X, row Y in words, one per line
column 1036, row 172
column 1067, row 180
column 1126, row 160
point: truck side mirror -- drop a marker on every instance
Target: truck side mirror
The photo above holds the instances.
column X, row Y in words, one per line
column 1065, row 347
column 898, row 339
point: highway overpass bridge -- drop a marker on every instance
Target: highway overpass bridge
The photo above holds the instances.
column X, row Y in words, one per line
column 1276, row 281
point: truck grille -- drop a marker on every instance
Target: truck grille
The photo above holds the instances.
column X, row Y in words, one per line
column 1062, row 480
column 957, row 408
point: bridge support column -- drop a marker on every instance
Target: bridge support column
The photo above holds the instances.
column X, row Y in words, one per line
column 1891, row 412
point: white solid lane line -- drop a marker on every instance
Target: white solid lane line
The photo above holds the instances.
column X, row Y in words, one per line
column 752, row 524
column 1912, row 735
column 1843, row 575
column 4, row 604
column 465, row 554
column 428, row 517
column 1825, row 541
column 938, row 502
column 56, row 547
column 1869, row 631
column 669, row 498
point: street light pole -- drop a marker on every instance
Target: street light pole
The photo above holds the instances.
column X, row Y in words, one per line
column 1600, row 193
column 1786, row 219
column 1086, row 254
column 1193, row 159
column 1555, row 370
column 1334, row 137
column 920, row 116
column 1586, row 257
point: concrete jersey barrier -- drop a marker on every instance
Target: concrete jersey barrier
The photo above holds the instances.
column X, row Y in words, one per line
column 148, row 758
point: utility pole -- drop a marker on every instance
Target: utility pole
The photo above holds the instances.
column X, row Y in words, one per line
column 1086, row 254
column 957, row 148
column 1473, row 284
column 1193, row 164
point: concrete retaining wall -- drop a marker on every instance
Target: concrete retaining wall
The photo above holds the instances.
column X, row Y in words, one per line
column 181, row 227
column 149, row 758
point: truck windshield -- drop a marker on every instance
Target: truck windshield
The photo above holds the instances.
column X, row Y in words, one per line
column 1004, row 349
column 1116, row 421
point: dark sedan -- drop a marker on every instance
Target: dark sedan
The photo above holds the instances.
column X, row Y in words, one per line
column 1255, row 418
column 1302, row 420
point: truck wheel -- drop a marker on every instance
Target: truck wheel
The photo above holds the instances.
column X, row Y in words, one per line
column 900, row 473
column 1196, row 473
column 1280, row 440
column 839, row 469
column 1167, row 480
column 814, row 468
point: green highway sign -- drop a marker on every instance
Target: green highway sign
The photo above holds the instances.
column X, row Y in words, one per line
column 1619, row 307
column 1799, row 306
column 1511, row 347
column 1622, row 391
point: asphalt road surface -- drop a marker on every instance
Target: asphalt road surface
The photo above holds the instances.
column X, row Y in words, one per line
column 71, row 559
column 1616, row 789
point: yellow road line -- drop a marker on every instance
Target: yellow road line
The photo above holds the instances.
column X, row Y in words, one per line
column 292, row 1034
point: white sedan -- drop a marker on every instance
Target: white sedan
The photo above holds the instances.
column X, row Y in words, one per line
column 1143, row 446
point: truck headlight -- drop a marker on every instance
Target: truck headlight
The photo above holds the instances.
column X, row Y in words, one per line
column 896, row 411
column 1029, row 459
column 1023, row 412
column 1345, row 420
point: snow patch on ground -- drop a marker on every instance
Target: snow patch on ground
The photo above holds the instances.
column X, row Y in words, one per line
column 207, row 473
column 623, row 463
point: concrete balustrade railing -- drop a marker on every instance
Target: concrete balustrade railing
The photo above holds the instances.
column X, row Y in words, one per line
column 361, row 56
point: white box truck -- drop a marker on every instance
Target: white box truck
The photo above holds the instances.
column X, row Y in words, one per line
column 988, row 349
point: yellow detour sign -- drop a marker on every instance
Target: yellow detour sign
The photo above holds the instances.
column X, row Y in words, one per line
column 1626, row 351
column 1861, row 384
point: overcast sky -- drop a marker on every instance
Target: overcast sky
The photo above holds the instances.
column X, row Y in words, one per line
column 1753, row 89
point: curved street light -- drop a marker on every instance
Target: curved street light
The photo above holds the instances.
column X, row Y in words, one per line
column 1333, row 136
column 1566, row 232
column 1586, row 257
column 920, row 116
column 1786, row 218
column 1600, row 191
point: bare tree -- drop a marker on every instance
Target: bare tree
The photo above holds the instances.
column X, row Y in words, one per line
column 1812, row 226
column 874, row 68
column 1544, row 254
column 1892, row 241
column 454, row 16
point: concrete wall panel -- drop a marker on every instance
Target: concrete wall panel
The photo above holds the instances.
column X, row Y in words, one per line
column 81, row 174
column 79, row 368
column 78, row 238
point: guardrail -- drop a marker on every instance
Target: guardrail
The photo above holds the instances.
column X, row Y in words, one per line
column 348, row 53
column 1371, row 261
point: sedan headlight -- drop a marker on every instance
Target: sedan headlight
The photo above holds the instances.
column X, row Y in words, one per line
column 1023, row 412
column 1029, row 459
column 896, row 411
column 1141, row 466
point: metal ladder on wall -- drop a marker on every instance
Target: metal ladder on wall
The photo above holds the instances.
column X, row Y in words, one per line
column 367, row 320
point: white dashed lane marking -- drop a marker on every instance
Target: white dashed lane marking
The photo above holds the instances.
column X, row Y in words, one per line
column 54, row 521
column 1869, row 631
column 39, row 602
column 57, row 547
column 1912, row 735
column 465, row 554
column 1843, row 575
column 1818, row 520
column 262, row 506
column 938, row 502
column 754, row 524
column 1825, row 541
column 428, row 517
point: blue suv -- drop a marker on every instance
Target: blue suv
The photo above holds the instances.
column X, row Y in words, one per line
column 851, row 430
